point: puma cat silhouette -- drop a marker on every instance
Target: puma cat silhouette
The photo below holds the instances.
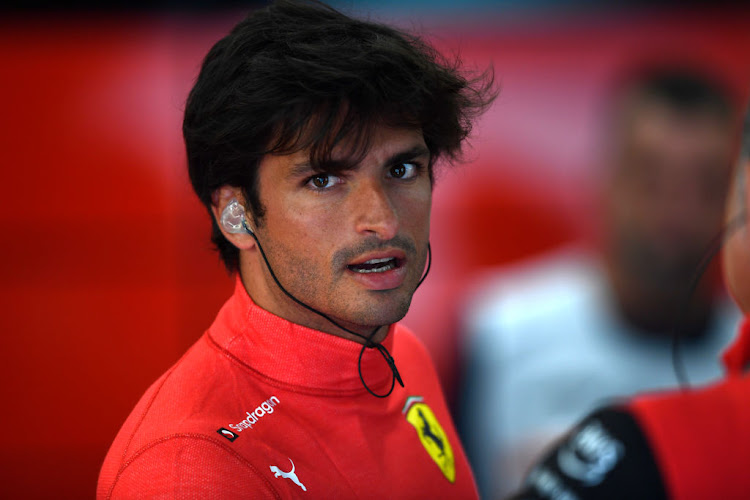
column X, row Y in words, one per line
column 288, row 475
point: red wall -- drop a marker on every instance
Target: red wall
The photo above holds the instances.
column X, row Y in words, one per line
column 107, row 271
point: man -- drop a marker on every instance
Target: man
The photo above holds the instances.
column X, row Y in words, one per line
column 311, row 138
column 552, row 339
column 689, row 444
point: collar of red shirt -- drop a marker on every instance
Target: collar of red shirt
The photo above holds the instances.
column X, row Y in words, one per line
column 737, row 357
column 291, row 355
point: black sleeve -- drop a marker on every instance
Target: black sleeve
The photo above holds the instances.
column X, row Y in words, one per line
column 606, row 456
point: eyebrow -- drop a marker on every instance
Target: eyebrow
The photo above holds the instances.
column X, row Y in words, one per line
column 409, row 154
column 304, row 168
column 300, row 169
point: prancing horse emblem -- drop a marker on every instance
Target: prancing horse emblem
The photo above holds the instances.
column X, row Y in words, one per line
column 289, row 475
column 431, row 435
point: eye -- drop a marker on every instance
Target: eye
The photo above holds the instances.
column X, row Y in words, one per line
column 321, row 182
column 404, row 170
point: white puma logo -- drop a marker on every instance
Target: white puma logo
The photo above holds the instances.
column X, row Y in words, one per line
column 289, row 475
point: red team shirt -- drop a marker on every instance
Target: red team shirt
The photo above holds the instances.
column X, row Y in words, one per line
column 260, row 407
column 701, row 438
column 691, row 444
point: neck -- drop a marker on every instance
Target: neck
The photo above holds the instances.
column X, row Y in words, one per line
column 657, row 311
column 267, row 294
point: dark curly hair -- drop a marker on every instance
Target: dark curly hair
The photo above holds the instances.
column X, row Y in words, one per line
column 300, row 75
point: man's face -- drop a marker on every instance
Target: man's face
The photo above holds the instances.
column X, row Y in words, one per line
column 736, row 249
column 668, row 192
column 352, row 245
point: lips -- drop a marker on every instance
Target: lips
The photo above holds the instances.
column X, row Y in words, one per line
column 375, row 265
column 383, row 270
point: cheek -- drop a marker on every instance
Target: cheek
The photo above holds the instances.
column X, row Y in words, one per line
column 414, row 208
column 309, row 233
column 736, row 267
column 302, row 213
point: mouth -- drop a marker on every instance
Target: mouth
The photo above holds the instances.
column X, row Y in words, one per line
column 380, row 265
column 382, row 270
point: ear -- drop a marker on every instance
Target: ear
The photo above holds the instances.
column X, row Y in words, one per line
column 219, row 201
column 738, row 197
column 745, row 189
column 736, row 248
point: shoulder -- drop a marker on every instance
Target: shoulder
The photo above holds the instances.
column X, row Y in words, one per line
column 668, row 440
column 182, row 466
column 547, row 282
column 692, row 431
column 598, row 459
column 172, row 434
column 532, row 299
column 721, row 406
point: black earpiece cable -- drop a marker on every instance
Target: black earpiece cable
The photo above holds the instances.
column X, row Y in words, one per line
column 713, row 248
column 368, row 339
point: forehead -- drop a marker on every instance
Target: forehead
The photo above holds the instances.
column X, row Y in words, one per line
column 662, row 121
column 676, row 136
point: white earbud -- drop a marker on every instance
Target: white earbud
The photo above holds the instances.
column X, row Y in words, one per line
column 233, row 218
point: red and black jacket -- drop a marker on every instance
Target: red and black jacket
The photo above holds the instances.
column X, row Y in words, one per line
column 684, row 444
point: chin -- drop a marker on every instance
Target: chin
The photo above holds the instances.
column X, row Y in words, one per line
column 380, row 313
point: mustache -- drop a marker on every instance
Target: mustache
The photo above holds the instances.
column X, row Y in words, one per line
column 341, row 257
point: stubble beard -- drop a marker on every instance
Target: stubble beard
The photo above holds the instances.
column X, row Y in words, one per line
column 336, row 296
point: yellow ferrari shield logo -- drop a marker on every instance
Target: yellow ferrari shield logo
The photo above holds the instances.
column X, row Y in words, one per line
column 431, row 434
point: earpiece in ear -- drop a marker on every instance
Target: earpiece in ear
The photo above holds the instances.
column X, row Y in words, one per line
column 233, row 217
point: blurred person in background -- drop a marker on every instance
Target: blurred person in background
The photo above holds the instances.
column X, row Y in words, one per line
column 691, row 444
column 311, row 139
column 550, row 339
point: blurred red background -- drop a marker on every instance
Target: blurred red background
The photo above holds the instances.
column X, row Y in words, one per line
column 107, row 270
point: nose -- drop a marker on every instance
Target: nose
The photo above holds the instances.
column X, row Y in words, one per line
column 375, row 213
